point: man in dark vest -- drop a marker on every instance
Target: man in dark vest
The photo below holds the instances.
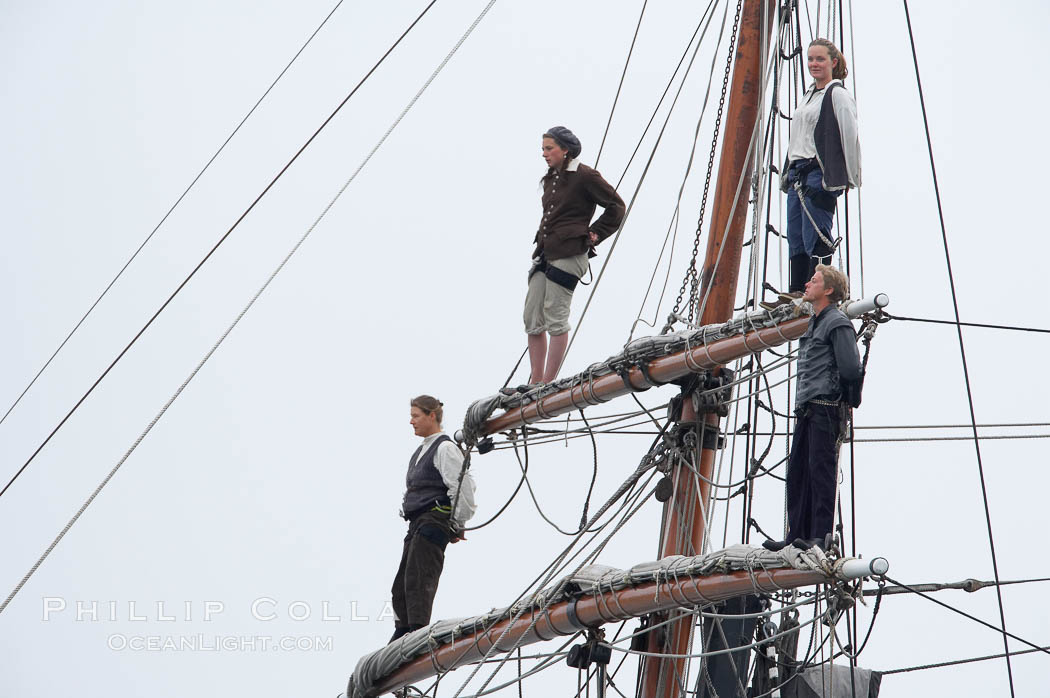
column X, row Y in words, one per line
column 829, row 376
column 435, row 483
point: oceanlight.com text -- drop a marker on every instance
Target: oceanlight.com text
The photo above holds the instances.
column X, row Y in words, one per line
column 201, row 642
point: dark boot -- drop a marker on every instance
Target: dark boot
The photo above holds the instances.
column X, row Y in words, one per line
column 775, row 545
column 807, row 543
column 798, row 272
column 402, row 630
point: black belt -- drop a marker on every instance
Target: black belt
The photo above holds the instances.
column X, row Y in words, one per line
column 558, row 276
column 803, row 167
column 821, row 199
column 436, row 505
column 825, row 403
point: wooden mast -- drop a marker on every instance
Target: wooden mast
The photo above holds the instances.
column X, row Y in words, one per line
column 683, row 526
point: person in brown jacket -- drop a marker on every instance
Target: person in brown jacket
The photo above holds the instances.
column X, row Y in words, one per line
column 564, row 242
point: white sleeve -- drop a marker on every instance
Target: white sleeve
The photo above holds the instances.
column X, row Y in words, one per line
column 846, row 114
column 449, row 462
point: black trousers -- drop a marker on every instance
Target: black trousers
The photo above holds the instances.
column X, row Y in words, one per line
column 422, row 560
column 813, row 471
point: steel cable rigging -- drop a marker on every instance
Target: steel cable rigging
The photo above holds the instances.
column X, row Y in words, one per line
column 212, row 251
column 708, row 15
column 250, row 303
column 168, row 213
column 962, row 346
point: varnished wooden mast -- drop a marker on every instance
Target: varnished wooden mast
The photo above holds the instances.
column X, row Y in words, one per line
column 684, row 520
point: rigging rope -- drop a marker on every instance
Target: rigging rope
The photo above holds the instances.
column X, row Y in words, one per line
column 623, row 76
column 691, row 272
column 548, row 576
column 553, row 568
column 645, row 171
column 237, row 223
column 939, row 665
column 251, row 302
column 957, row 323
column 967, row 615
column 675, row 217
column 182, row 196
column 962, row 348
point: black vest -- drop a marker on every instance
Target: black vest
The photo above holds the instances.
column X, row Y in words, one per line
column 828, row 140
column 424, row 486
column 818, row 374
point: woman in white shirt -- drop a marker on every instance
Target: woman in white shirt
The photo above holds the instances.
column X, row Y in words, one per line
column 823, row 160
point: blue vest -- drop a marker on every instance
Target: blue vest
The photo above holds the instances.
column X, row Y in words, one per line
column 818, row 374
column 424, row 486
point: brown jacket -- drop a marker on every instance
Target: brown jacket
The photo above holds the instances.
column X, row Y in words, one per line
column 569, row 198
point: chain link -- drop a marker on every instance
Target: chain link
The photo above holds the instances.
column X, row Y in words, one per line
column 692, row 277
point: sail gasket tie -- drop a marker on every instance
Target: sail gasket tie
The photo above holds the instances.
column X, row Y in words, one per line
column 707, row 350
column 696, row 585
column 572, row 395
column 670, row 584
column 684, row 600
column 613, row 615
column 758, row 335
column 624, row 614
column 757, row 328
column 776, row 326
column 432, row 646
column 540, row 411
column 753, row 576
column 599, row 601
column 769, row 575
column 656, row 596
column 550, row 623
column 590, row 381
column 745, row 333
column 689, row 362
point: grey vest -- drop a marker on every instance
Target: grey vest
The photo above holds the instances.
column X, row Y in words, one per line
column 423, row 483
column 818, row 374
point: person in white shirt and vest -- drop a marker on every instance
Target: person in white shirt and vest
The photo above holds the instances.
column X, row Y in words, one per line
column 829, row 380
column 436, row 482
column 822, row 161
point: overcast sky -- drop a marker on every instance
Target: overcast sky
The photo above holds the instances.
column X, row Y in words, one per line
column 276, row 477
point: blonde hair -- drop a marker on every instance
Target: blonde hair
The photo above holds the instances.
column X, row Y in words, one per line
column 429, row 405
column 840, row 71
column 836, row 281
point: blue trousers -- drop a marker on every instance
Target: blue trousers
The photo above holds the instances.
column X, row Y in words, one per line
column 802, row 237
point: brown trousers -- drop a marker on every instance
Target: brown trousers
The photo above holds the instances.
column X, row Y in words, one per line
column 422, row 560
